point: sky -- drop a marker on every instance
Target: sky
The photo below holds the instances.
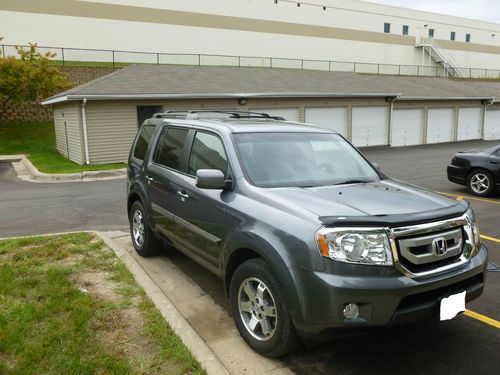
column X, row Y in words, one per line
column 485, row 10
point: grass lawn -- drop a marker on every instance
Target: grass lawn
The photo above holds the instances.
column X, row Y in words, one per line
column 69, row 306
column 38, row 141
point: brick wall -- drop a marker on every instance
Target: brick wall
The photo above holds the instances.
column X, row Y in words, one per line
column 36, row 112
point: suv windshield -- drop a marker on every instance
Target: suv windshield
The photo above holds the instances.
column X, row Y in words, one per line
column 301, row 159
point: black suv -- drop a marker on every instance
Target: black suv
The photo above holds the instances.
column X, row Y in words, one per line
column 308, row 237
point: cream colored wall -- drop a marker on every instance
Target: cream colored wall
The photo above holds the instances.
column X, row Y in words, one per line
column 68, row 128
column 347, row 31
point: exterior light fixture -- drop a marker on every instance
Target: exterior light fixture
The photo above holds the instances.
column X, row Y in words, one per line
column 243, row 101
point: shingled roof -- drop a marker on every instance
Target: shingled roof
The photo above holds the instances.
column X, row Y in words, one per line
column 166, row 81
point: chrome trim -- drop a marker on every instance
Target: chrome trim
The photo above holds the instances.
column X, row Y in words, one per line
column 162, row 211
column 468, row 241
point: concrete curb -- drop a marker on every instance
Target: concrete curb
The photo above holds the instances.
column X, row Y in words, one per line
column 26, row 171
column 168, row 310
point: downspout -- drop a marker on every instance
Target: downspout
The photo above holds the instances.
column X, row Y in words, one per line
column 486, row 103
column 391, row 101
column 85, row 139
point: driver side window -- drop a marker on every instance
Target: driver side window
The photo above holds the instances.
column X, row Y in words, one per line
column 207, row 153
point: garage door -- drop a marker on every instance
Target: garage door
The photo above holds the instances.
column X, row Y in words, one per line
column 469, row 123
column 369, row 126
column 492, row 125
column 333, row 118
column 290, row 114
column 439, row 125
column 407, row 127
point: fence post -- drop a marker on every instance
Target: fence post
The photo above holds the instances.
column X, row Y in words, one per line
column 239, row 61
column 418, row 70
column 354, row 67
column 270, row 62
column 3, row 50
column 470, row 72
column 157, row 58
column 486, row 73
column 113, row 53
column 378, row 68
column 62, row 55
column 399, row 70
column 329, row 66
column 302, row 64
column 199, row 60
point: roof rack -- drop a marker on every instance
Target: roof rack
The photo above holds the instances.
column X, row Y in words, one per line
column 195, row 114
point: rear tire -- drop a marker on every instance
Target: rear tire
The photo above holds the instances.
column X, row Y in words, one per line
column 260, row 311
column 143, row 239
column 480, row 182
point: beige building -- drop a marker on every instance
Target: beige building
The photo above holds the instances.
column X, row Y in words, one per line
column 97, row 121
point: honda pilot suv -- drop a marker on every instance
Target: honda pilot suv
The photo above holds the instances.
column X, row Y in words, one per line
column 308, row 237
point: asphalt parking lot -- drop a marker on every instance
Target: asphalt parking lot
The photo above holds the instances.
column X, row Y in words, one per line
column 464, row 345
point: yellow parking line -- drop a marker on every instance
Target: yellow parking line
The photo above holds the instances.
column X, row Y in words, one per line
column 485, row 237
column 482, row 318
column 462, row 197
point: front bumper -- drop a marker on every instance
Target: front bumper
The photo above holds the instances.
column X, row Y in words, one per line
column 456, row 174
column 383, row 300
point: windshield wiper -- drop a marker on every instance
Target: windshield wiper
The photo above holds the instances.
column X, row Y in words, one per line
column 353, row 181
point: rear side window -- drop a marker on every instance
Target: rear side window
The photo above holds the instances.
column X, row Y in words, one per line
column 170, row 146
column 207, row 153
column 141, row 146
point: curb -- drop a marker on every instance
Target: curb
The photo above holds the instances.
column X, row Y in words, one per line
column 26, row 171
column 201, row 351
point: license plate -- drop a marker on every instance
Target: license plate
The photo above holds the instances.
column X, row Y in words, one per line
column 451, row 306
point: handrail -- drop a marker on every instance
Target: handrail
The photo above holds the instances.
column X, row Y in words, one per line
column 68, row 56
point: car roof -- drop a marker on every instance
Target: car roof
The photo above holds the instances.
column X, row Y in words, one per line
column 253, row 125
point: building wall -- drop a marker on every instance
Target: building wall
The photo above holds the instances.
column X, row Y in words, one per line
column 347, row 30
column 68, row 128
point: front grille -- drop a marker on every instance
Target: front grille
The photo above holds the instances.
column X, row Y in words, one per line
column 418, row 254
column 430, row 248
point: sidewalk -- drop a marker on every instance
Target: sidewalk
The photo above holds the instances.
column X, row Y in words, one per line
column 204, row 327
column 26, row 171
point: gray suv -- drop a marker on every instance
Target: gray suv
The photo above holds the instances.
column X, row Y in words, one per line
column 308, row 237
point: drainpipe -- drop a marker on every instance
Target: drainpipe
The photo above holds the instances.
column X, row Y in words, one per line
column 391, row 101
column 85, row 139
column 486, row 103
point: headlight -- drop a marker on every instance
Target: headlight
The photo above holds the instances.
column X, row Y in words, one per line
column 474, row 226
column 355, row 245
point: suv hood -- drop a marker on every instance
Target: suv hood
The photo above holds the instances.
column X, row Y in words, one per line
column 387, row 202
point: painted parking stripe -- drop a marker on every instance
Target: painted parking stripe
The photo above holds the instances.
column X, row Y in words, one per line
column 470, row 197
column 485, row 237
column 482, row 318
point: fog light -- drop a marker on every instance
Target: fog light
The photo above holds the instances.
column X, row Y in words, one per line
column 351, row 311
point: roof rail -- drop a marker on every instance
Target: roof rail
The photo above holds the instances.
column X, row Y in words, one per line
column 195, row 114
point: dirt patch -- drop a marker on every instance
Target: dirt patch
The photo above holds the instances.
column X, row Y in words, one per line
column 97, row 284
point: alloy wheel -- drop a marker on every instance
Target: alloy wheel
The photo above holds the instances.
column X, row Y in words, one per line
column 138, row 228
column 479, row 183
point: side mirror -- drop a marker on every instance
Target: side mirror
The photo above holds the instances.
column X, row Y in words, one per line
column 210, row 179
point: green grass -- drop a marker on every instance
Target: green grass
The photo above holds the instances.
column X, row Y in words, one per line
column 38, row 141
column 69, row 306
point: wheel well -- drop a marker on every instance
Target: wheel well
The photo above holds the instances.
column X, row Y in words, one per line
column 131, row 199
column 475, row 169
column 237, row 257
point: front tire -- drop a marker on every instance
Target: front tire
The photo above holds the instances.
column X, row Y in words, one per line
column 259, row 309
column 143, row 239
column 480, row 182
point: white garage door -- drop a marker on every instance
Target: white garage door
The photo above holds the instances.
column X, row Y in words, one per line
column 469, row 123
column 492, row 125
column 369, row 126
column 290, row 114
column 333, row 118
column 439, row 125
column 407, row 127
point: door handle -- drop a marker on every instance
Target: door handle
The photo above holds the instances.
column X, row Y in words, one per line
column 183, row 195
column 149, row 179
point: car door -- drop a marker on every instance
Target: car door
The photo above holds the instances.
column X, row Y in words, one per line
column 201, row 212
column 162, row 177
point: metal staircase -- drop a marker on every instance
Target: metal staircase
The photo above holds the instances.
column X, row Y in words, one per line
column 432, row 48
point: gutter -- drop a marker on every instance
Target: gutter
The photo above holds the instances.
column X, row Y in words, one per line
column 85, row 138
column 446, row 98
column 68, row 97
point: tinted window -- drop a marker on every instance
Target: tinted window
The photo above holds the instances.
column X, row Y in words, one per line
column 467, row 38
column 207, row 153
column 431, row 33
column 170, row 146
column 452, row 35
column 142, row 143
column 405, row 29
column 387, row 27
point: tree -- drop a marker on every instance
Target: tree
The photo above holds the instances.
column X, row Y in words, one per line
column 28, row 77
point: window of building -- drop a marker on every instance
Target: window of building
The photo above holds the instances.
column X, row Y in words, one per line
column 431, row 33
column 147, row 111
column 141, row 146
column 452, row 35
column 406, row 28
column 387, row 27
column 207, row 153
column 170, row 147
column 467, row 38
